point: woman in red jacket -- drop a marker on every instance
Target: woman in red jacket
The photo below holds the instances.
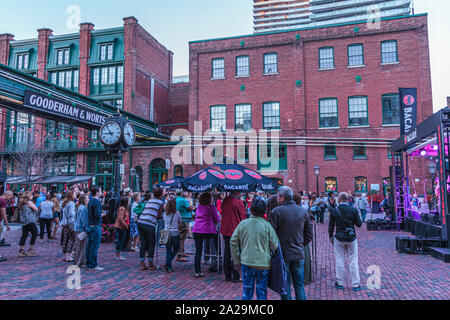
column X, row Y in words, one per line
column 122, row 224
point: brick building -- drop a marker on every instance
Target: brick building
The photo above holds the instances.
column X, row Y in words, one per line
column 123, row 67
column 331, row 93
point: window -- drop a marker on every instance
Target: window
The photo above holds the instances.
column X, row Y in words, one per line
column 22, row 61
column 391, row 108
column 389, row 153
column 61, row 76
column 270, row 63
column 328, row 113
column 358, row 113
column 272, row 157
column 120, row 74
column 75, row 79
column 62, row 56
column 330, row 151
column 389, row 52
column 178, row 171
column 359, row 151
column 361, row 184
column 330, row 184
column 355, row 55
column 106, row 51
column 326, row 58
column 243, row 117
column 119, row 104
column 96, row 77
column 66, row 78
column 104, row 76
column 218, row 68
column 218, row 116
column 271, row 115
column 53, row 78
column 242, row 66
column 112, row 75
column 242, row 152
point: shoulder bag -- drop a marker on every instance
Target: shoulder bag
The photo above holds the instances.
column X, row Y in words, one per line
column 164, row 239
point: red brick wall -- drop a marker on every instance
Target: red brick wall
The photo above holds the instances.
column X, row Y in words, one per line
column 179, row 105
column 298, row 60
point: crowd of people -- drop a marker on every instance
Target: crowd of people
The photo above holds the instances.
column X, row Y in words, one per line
column 251, row 226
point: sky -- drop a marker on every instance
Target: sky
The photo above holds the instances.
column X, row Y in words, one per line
column 176, row 22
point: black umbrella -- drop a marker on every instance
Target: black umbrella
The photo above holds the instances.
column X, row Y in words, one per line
column 205, row 180
column 171, row 184
column 240, row 178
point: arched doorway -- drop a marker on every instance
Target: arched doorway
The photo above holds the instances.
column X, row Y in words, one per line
column 158, row 172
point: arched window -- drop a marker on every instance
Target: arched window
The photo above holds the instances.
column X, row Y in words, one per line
column 178, row 171
column 158, row 172
column 331, row 184
column 360, row 184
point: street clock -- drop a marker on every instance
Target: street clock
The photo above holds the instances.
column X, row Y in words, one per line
column 117, row 134
column 110, row 133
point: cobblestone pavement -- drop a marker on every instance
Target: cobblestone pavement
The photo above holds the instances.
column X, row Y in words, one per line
column 403, row 276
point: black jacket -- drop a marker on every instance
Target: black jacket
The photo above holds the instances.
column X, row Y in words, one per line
column 294, row 229
column 349, row 217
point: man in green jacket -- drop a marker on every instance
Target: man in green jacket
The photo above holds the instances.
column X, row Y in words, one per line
column 185, row 210
column 251, row 245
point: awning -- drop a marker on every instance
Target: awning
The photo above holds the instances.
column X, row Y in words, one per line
column 66, row 179
column 22, row 179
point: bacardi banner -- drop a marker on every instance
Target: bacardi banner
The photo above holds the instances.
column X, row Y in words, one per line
column 60, row 108
column 408, row 110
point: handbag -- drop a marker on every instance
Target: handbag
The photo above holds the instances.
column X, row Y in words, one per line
column 164, row 239
column 278, row 273
column 82, row 235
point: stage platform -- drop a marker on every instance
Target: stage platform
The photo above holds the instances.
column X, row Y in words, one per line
column 422, row 229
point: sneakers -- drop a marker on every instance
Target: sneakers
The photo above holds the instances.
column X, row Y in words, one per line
column 3, row 259
column 337, row 285
column 356, row 288
column 31, row 253
column 22, row 253
column 4, row 244
column 97, row 268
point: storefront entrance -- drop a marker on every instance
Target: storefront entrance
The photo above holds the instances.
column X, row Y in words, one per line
column 158, row 172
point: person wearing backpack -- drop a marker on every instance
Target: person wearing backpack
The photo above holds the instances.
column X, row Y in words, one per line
column 344, row 218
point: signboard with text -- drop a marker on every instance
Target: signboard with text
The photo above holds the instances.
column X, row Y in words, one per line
column 408, row 110
column 60, row 108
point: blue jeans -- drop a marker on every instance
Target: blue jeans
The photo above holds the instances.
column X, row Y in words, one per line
column 120, row 239
column 249, row 277
column 160, row 223
column 172, row 248
column 92, row 246
column 363, row 215
column 296, row 270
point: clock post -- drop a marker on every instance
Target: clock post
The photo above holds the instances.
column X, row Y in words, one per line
column 117, row 135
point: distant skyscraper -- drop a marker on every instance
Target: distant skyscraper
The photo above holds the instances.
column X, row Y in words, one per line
column 274, row 15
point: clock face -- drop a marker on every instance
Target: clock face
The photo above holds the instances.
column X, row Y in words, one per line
column 110, row 133
column 130, row 134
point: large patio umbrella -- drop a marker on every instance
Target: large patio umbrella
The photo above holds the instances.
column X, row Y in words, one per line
column 205, row 180
column 171, row 184
column 240, row 178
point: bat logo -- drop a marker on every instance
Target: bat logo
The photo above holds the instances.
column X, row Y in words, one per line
column 233, row 174
column 408, row 100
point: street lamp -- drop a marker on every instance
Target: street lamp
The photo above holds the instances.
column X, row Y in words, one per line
column 317, row 172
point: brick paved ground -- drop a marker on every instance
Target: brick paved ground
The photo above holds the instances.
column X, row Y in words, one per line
column 403, row 276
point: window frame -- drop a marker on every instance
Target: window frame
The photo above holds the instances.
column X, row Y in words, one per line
column 211, row 119
column 212, row 68
column 248, row 66
column 396, row 51
column 355, row 157
column 235, row 116
column 337, row 112
column 264, row 62
column 367, row 110
column 325, row 152
column 335, row 179
column 63, row 50
column 362, row 54
column 264, row 115
column 382, row 108
column 334, row 62
column 364, row 191
column 106, row 45
column 21, row 56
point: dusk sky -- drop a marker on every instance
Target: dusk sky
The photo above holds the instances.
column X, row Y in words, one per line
column 176, row 22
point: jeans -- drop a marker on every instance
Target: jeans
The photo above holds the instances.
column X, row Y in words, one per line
column 210, row 250
column 172, row 248
column 29, row 228
column 341, row 250
column 92, row 246
column 321, row 215
column 198, row 239
column 121, row 238
column 295, row 270
column 45, row 223
column 363, row 215
column 249, row 277
column 160, row 227
column 228, row 267
column 148, row 238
